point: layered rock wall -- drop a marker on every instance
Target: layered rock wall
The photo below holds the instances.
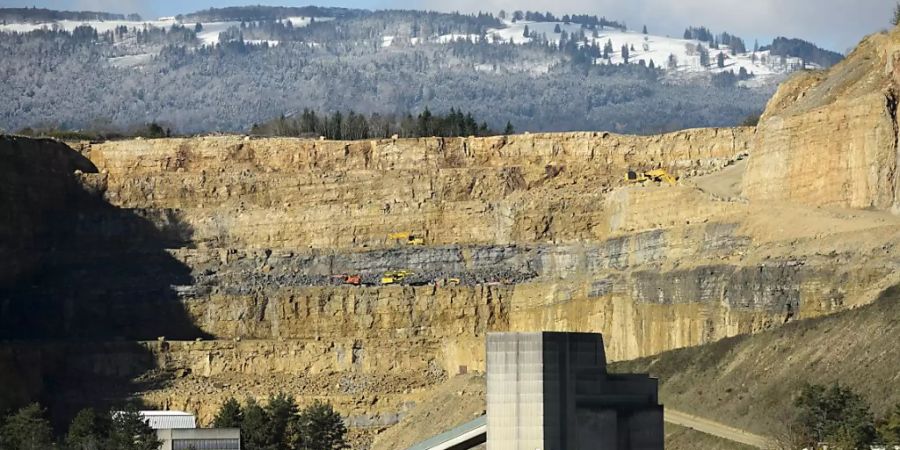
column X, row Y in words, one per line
column 324, row 194
column 830, row 139
column 240, row 243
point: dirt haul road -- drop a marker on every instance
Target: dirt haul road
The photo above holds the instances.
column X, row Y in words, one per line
column 716, row 429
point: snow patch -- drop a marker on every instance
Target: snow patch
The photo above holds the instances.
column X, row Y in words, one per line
column 128, row 61
column 648, row 47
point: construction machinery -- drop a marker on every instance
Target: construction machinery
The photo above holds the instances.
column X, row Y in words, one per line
column 354, row 280
column 406, row 237
column 655, row 175
column 395, row 276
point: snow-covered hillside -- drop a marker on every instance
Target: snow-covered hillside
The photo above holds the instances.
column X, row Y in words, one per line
column 662, row 51
column 642, row 48
column 649, row 47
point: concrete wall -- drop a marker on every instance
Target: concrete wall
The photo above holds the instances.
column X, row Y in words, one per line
column 515, row 393
column 177, row 439
column 550, row 391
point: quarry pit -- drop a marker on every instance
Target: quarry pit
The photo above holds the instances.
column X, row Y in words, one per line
column 184, row 271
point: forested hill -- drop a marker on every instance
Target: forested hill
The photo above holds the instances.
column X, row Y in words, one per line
column 225, row 69
column 40, row 15
column 265, row 13
column 803, row 49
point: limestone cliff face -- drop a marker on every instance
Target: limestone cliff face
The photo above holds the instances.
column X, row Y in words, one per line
column 288, row 192
column 830, row 139
column 236, row 242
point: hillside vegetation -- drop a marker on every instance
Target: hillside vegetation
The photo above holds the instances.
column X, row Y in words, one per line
column 226, row 69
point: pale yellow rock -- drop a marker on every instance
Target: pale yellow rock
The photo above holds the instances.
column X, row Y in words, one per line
column 830, row 139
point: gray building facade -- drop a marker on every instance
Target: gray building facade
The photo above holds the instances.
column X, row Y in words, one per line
column 551, row 391
column 200, row 438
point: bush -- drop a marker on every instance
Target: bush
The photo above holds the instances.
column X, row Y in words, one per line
column 834, row 415
column 889, row 428
column 751, row 121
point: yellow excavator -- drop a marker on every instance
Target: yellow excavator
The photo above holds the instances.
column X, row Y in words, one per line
column 407, row 237
column 656, row 175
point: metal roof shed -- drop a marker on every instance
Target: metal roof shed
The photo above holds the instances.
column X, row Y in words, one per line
column 168, row 420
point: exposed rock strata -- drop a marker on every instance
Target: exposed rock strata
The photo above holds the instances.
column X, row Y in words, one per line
column 830, row 139
column 236, row 241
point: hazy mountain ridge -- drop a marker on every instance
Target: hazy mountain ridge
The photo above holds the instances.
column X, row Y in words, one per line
column 43, row 15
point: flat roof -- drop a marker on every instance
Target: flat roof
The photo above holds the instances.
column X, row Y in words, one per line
column 164, row 413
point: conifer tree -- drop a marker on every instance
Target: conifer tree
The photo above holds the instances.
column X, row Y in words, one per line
column 230, row 415
column 322, row 428
column 255, row 427
column 704, row 55
column 607, row 49
column 130, row 431
column 88, row 431
column 27, row 429
column 282, row 413
column 673, row 62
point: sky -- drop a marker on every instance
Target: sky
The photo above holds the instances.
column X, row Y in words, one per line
column 833, row 24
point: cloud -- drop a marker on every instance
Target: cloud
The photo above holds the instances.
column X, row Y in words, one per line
column 835, row 24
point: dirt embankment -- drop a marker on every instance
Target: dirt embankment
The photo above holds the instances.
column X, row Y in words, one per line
column 750, row 381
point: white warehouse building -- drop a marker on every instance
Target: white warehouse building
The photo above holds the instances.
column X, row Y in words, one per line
column 178, row 431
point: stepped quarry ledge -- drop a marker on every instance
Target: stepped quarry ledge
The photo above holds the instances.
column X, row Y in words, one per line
column 239, row 241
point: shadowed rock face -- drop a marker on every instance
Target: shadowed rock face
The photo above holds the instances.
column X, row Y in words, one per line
column 75, row 268
column 79, row 267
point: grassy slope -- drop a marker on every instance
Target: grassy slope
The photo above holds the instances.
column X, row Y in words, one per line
column 750, row 381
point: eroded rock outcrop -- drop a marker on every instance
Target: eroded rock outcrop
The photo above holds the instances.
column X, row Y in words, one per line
column 830, row 138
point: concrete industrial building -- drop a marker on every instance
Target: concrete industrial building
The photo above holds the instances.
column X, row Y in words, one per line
column 551, row 391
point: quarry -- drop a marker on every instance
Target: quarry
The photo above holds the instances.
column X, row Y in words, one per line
column 184, row 271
